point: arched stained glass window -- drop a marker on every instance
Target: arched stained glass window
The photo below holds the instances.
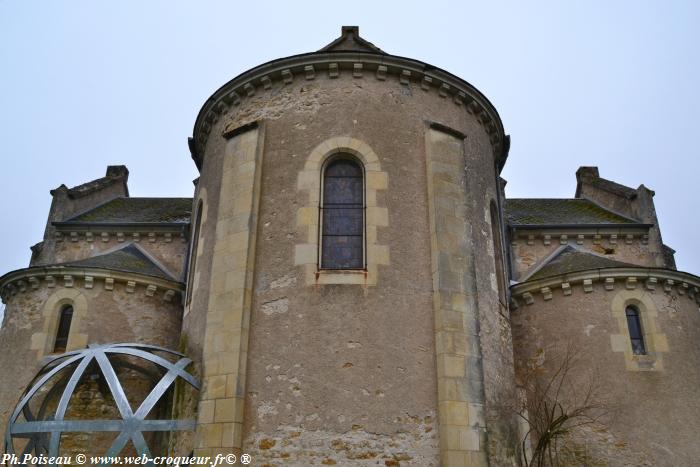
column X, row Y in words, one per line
column 64, row 321
column 635, row 328
column 343, row 215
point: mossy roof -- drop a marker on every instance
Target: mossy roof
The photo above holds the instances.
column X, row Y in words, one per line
column 139, row 210
column 127, row 259
column 571, row 259
column 550, row 211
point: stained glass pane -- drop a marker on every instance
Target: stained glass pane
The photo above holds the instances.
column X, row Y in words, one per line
column 343, row 216
column 342, row 252
column 340, row 190
column 343, row 168
column 342, row 221
column 638, row 347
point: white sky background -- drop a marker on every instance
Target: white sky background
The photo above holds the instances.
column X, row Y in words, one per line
column 86, row 84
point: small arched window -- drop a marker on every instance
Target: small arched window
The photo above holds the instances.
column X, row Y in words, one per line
column 193, row 252
column 634, row 325
column 64, row 321
column 496, row 234
column 342, row 215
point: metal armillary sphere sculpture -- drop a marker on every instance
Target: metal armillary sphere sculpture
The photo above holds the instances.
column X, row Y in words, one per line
column 51, row 391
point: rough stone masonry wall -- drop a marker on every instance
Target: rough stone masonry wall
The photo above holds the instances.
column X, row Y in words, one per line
column 107, row 316
column 63, row 207
column 461, row 397
column 347, row 373
column 640, row 207
column 463, row 227
column 652, row 400
column 342, row 373
column 225, row 346
column 194, row 318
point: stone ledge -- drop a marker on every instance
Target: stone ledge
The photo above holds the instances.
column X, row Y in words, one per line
column 572, row 234
column 31, row 279
column 681, row 283
column 135, row 234
column 331, row 276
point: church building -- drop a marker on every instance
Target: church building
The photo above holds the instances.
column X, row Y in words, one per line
column 349, row 285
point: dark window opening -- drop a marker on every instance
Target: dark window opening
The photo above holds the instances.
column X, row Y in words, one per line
column 496, row 234
column 193, row 252
column 343, row 216
column 635, row 328
column 63, row 329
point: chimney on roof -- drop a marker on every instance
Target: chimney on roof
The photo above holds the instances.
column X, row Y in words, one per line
column 587, row 172
column 116, row 171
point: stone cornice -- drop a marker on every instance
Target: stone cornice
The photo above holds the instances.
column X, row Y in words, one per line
column 570, row 234
column 587, row 227
column 127, row 226
column 348, row 65
column 23, row 280
column 121, row 232
column 668, row 280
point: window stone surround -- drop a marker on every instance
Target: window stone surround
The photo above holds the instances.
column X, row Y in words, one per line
column 306, row 254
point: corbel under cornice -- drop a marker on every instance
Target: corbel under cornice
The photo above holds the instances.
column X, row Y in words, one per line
column 23, row 280
column 668, row 280
column 135, row 232
column 565, row 234
column 348, row 65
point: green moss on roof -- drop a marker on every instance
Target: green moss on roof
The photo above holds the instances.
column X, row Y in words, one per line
column 139, row 210
column 571, row 260
column 127, row 259
column 533, row 211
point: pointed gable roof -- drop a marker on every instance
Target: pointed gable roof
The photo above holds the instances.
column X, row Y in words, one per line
column 350, row 41
column 130, row 258
column 570, row 259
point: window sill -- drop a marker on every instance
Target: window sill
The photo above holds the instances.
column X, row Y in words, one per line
column 342, row 276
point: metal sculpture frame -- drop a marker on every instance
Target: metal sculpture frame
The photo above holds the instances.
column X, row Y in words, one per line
column 45, row 435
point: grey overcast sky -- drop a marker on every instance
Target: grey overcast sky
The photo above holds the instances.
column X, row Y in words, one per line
column 86, row 84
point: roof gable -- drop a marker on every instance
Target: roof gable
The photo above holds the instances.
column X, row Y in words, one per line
column 129, row 258
column 569, row 259
column 350, row 41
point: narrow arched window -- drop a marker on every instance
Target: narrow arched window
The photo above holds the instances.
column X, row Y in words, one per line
column 634, row 325
column 64, row 321
column 193, row 252
column 342, row 215
column 496, row 234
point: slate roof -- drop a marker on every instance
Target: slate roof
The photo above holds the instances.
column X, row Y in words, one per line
column 127, row 259
column 139, row 210
column 571, row 259
column 549, row 211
